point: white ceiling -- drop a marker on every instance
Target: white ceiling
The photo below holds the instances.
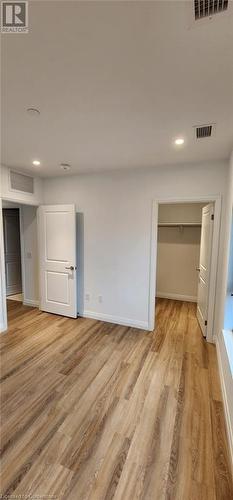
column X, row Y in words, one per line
column 115, row 83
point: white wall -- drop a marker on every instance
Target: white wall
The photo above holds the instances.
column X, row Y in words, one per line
column 228, row 268
column 30, row 255
column 228, row 316
column 226, row 235
column 116, row 210
column 225, row 351
column 177, row 262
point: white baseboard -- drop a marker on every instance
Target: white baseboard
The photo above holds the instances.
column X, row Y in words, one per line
column 32, row 303
column 176, row 296
column 116, row 319
column 225, row 396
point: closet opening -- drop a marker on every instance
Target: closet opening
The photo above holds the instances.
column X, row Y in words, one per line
column 12, row 252
column 184, row 255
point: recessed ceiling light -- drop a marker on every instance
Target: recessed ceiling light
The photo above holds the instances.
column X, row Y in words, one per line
column 65, row 166
column 33, row 112
column 179, row 141
column 36, row 163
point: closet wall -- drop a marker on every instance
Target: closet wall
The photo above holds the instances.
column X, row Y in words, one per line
column 178, row 251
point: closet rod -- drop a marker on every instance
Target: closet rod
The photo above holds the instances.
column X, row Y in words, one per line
column 178, row 224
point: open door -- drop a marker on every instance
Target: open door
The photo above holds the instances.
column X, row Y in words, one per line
column 57, row 247
column 204, row 266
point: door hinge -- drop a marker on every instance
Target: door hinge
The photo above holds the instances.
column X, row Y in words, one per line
column 206, row 322
column 212, row 217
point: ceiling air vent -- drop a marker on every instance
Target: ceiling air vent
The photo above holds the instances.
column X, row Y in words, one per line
column 203, row 131
column 21, row 182
column 207, row 8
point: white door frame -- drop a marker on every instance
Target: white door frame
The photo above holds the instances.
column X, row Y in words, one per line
column 216, row 199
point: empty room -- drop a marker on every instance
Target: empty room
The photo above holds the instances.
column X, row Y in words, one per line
column 116, row 250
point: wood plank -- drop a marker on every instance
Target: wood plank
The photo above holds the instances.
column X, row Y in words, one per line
column 96, row 411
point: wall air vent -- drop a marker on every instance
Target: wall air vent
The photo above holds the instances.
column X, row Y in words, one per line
column 21, row 182
column 207, row 8
column 203, row 131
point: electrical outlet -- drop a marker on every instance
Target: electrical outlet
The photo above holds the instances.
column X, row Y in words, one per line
column 87, row 297
column 100, row 299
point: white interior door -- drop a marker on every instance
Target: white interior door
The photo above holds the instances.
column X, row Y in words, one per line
column 57, row 245
column 204, row 266
column 11, row 228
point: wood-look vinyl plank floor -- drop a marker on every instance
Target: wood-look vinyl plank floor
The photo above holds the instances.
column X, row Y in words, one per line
column 94, row 411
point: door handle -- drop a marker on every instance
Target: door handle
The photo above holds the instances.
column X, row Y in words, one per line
column 198, row 269
column 71, row 268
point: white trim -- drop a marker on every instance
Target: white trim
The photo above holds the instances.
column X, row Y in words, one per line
column 216, row 199
column 22, row 249
column 176, row 296
column 32, row 303
column 21, row 202
column 3, row 310
column 225, row 401
column 153, row 264
column 116, row 319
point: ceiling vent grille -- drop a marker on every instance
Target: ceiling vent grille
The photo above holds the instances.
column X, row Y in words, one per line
column 203, row 131
column 20, row 182
column 207, row 8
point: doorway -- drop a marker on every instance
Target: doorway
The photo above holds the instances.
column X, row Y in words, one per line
column 52, row 258
column 179, row 224
column 12, row 253
column 20, row 254
column 178, row 251
column 184, row 254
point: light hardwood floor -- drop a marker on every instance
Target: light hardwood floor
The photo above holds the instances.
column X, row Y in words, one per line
column 92, row 410
column 18, row 297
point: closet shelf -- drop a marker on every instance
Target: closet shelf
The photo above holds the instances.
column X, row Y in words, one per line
column 178, row 224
